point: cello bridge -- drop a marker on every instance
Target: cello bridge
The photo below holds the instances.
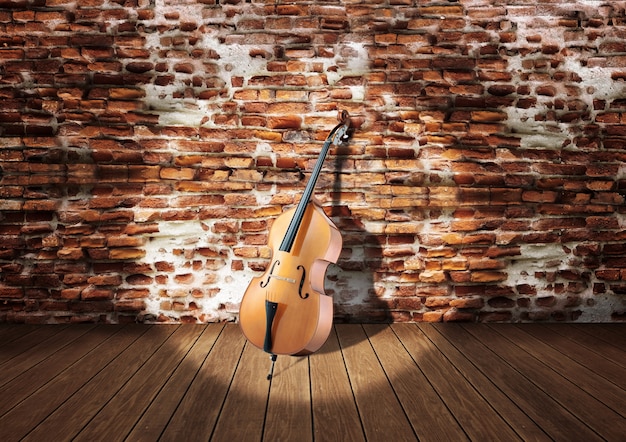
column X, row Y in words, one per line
column 283, row 278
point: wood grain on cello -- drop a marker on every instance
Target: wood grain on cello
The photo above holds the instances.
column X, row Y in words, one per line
column 285, row 311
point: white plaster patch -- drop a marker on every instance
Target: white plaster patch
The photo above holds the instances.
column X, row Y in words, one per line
column 178, row 116
column 264, row 198
column 621, row 219
column 353, row 59
column 537, row 257
column 351, row 288
column 235, row 60
column 166, row 245
column 599, row 308
column 358, row 93
column 596, row 81
column 160, row 99
column 358, row 61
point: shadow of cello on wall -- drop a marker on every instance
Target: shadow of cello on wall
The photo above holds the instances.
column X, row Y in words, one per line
column 351, row 281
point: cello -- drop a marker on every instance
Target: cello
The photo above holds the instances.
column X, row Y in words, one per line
column 286, row 311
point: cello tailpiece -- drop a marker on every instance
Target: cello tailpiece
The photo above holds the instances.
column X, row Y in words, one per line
column 270, row 312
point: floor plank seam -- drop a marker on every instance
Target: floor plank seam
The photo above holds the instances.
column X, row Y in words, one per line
column 563, row 404
column 472, row 383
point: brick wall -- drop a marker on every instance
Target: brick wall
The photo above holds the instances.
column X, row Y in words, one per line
column 147, row 145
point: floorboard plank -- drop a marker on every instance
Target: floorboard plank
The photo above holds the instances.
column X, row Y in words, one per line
column 555, row 421
column 587, row 348
column 68, row 419
column 247, row 397
column 40, row 344
column 11, row 332
column 564, row 383
column 381, row 413
column 588, row 409
column 30, row 380
column 602, row 389
column 193, row 368
column 289, row 407
column 429, row 415
column 22, row 418
column 198, row 411
column 462, row 399
column 335, row 416
column 34, row 343
column 608, row 332
column 126, row 407
column 523, row 425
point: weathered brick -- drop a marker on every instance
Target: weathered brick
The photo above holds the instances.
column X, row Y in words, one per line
column 177, row 173
column 92, row 293
column 126, row 253
column 285, row 122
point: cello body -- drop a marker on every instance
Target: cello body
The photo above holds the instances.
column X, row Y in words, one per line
column 294, row 281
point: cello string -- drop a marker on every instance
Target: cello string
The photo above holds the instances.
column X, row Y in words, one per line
column 294, row 225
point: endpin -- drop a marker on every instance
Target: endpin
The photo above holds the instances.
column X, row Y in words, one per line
column 271, row 373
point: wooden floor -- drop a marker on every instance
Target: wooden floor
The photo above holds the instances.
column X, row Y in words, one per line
column 400, row 382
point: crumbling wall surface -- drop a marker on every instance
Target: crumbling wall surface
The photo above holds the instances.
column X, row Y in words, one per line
column 146, row 146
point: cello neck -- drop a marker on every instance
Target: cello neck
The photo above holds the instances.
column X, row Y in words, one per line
column 334, row 137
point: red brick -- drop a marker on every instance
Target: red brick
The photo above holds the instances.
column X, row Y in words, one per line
column 177, row 174
column 455, row 315
column 126, row 253
column 93, row 294
column 130, row 305
column 126, row 93
column 285, row 122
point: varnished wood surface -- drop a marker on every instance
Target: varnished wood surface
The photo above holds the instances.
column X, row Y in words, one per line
column 400, row 382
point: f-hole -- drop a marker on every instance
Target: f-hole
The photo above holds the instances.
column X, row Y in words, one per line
column 265, row 283
column 306, row 295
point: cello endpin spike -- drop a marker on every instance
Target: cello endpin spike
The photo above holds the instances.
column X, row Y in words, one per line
column 271, row 373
